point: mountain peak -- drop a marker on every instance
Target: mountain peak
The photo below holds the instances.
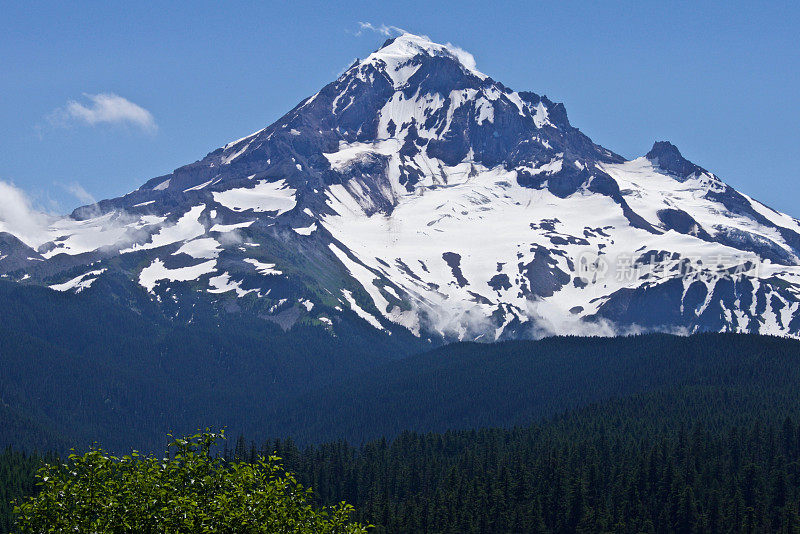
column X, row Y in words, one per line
column 397, row 51
column 413, row 195
column 662, row 149
column 668, row 158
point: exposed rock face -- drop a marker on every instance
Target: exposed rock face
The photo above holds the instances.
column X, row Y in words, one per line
column 668, row 158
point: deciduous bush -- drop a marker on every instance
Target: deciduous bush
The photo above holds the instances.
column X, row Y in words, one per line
column 189, row 490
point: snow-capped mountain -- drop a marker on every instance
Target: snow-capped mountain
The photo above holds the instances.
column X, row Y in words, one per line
column 422, row 195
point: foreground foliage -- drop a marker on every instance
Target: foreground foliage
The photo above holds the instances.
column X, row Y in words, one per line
column 190, row 491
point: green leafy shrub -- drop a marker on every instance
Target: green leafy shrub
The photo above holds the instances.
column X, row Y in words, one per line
column 190, row 490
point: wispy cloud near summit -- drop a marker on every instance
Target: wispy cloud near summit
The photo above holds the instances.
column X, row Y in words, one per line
column 383, row 29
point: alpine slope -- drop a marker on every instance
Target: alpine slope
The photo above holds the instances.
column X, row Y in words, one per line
column 415, row 193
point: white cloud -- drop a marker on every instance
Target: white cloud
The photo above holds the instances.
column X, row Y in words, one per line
column 19, row 218
column 23, row 218
column 80, row 193
column 550, row 319
column 105, row 108
column 466, row 59
column 383, row 29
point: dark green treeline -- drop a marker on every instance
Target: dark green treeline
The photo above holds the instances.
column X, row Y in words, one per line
column 687, row 460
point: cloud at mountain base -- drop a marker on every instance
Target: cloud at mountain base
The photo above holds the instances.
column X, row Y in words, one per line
column 19, row 217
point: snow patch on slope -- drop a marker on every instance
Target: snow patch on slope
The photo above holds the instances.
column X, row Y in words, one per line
column 368, row 317
column 224, row 284
column 186, row 228
column 307, row 230
column 264, row 197
column 202, row 248
column 263, row 268
column 79, row 283
column 156, row 272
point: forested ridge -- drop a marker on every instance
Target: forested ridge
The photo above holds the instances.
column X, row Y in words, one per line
column 17, row 480
column 83, row 368
column 692, row 459
column 698, row 434
column 474, row 385
column 688, row 460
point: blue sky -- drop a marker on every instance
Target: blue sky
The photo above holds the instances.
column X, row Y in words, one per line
column 720, row 80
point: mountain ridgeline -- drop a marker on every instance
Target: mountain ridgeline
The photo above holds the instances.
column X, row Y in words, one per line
column 421, row 197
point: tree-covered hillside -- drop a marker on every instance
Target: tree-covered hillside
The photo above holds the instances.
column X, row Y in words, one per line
column 17, row 481
column 472, row 385
column 685, row 459
column 642, row 434
column 699, row 458
column 83, row 368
